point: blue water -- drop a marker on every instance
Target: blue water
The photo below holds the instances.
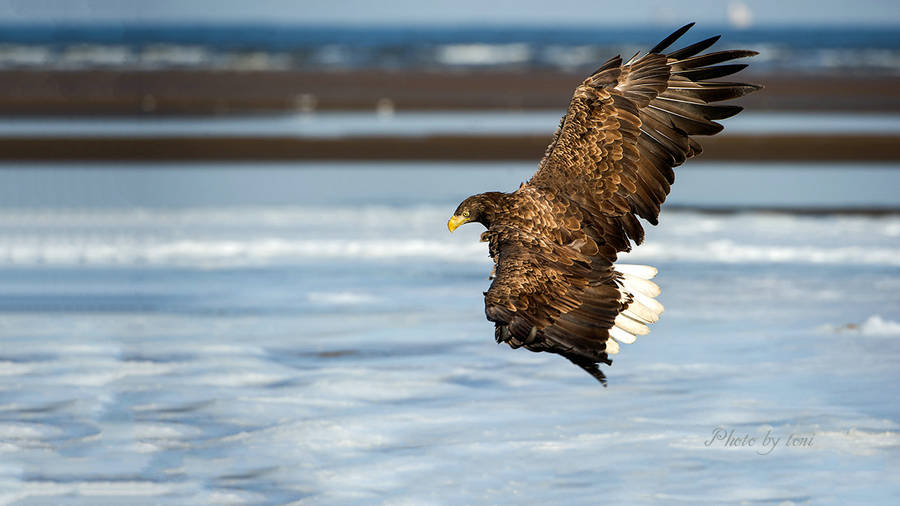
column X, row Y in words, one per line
column 283, row 36
column 321, row 47
column 274, row 333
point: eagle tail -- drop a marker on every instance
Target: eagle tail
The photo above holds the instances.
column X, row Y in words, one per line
column 641, row 308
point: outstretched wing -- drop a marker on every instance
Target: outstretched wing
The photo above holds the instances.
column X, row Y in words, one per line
column 628, row 125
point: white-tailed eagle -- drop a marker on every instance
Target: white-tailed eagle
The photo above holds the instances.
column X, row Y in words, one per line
column 554, row 241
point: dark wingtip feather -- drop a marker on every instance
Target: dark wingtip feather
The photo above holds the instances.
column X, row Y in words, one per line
column 595, row 371
column 724, row 111
column 687, row 52
column 615, row 61
column 590, row 364
column 670, row 39
column 708, row 59
column 714, row 72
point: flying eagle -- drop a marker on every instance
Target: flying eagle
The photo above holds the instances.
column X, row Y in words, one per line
column 554, row 241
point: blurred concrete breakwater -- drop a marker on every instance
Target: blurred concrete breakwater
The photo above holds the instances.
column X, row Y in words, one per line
column 825, row 148
column 186, row 91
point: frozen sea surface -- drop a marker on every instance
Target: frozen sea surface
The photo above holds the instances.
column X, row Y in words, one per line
column 266, row 335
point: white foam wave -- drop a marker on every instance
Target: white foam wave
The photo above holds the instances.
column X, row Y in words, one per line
column 483, row 54
column 728, row 251
column 228, row 252
column 35, row 489
column 878, row 326
column 216, row 252
column 341, row 298
column 875, row 325
column 858, row 441
column 224, row 237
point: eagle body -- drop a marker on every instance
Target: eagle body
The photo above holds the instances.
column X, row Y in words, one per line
column 555, row 240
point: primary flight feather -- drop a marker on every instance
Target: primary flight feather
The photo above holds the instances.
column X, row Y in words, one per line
column 554, row 241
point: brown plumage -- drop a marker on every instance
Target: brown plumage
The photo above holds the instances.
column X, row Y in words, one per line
column 554, row 240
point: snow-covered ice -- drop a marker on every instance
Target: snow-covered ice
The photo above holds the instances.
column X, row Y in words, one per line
column 251, row 351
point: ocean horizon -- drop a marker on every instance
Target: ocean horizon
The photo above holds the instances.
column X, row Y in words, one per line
column 575, row 48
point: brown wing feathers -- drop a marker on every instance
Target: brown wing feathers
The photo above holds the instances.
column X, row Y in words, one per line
column 679, row 109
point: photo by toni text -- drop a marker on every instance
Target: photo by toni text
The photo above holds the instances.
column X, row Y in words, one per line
column 764, row 443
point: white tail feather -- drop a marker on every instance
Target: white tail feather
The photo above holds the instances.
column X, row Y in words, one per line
column 650, row 303
column 631, row 326
column 620, row 335
column 643, row 312
column 612, row 347
column 636, row 284
column 631, row 314
column 641, row 271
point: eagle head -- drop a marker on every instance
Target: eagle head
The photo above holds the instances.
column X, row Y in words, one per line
column 478, row 208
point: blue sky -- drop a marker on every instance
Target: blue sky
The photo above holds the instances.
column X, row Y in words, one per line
column 516, row 12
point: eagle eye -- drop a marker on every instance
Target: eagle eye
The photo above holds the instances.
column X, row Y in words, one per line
column 465, row 214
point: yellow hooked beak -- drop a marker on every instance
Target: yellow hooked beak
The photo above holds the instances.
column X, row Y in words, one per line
column 455, row 222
